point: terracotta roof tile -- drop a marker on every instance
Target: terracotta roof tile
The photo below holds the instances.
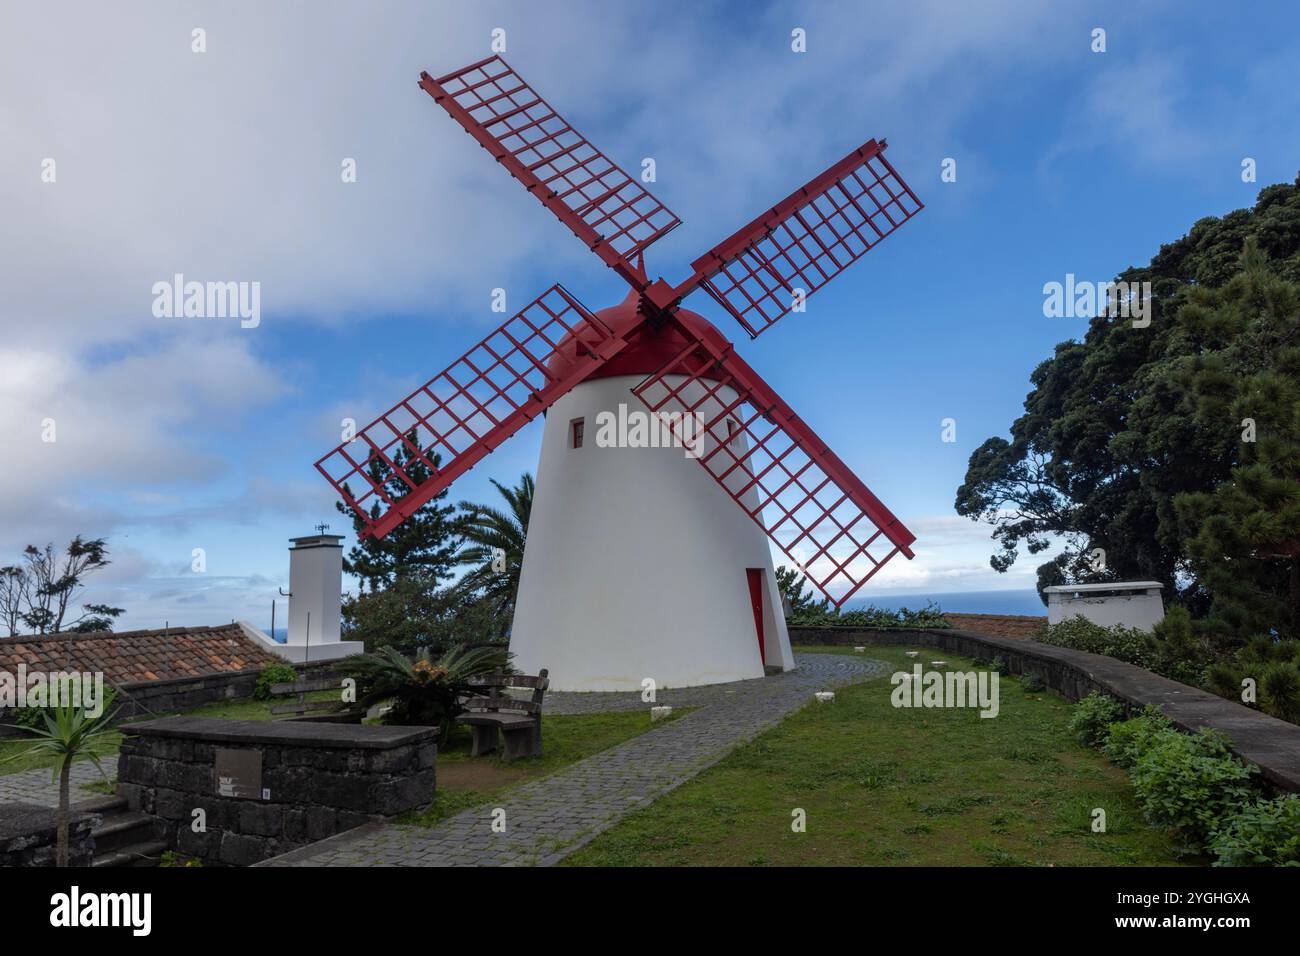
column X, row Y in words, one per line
column 131, row 656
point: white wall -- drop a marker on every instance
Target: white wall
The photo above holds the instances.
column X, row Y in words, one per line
column 1140, row 608
column 635, row 564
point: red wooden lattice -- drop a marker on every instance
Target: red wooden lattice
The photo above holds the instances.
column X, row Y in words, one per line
column 468, row 409
column 807, row 239
column 776, row 468
column 603, row 205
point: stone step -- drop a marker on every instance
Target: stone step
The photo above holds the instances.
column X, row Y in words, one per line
column 103, row 805
column 135, row 854
column 120, row 829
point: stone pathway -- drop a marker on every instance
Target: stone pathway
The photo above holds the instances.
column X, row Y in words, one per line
column 550, row 818
column 33, row 786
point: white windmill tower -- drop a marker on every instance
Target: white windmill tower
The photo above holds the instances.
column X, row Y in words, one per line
column 647, row 562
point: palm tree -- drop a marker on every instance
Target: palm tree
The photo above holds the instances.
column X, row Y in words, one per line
column 68, row 733
column 422, row 690
column 495, row 545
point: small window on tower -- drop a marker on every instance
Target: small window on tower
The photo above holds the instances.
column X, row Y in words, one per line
column 733, row 429
column 575, row 433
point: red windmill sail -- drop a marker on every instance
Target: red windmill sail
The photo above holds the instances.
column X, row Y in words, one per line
column 807, row 500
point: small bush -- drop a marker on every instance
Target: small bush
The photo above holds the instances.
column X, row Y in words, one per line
column 271, row 675
column 1279, row 691
column 1117, row 641
column 1032, row 683
column 1265, row 834
column 1092, row 717
column 1129, row 740
column 999, row 664
column 1191, row 783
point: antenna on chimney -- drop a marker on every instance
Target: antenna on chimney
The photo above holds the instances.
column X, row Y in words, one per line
column 322, row 527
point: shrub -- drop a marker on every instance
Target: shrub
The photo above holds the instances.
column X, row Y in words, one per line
column 1128, row 741
column 1032, row 683
column 1273, row 664
column 1279, row 690
column 1117, row 641
column 422, row 691
column 1092, row 717
column 1264, row 834
column 999, row 664
column 1192, row 783
column 271, row 675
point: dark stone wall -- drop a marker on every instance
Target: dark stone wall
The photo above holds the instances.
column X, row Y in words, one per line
column 1272, row 745
column 323, row 779
column 28, row 834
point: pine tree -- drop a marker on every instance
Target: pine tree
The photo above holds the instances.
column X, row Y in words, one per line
column 424, row 545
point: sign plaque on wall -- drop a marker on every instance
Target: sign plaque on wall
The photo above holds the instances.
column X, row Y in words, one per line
column 239, row 774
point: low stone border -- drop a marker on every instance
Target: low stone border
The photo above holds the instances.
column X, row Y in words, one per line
column 1272, row 745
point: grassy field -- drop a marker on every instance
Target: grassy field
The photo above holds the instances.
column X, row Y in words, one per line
column 893, row 786
column 465, row 781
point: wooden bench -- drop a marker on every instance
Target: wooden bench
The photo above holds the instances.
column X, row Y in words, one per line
column 301, row 688
column 518, row 721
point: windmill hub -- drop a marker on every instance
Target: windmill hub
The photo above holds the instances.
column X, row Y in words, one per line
column 649, row 346
column 641, row 565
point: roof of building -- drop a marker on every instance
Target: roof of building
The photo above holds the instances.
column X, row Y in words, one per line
column 130, row 656
column 1017, row 626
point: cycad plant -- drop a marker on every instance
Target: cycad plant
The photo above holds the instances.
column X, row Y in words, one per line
column 66, row 734
column 422, row 690
column 494, row 545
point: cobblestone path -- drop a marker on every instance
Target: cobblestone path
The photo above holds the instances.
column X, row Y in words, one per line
column 33, row 786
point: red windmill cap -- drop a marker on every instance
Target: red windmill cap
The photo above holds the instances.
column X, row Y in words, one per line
column 649, row 348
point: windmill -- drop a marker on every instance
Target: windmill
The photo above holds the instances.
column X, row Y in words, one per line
column 645, row 562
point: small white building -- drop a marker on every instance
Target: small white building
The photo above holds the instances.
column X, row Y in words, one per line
column 1135, row 604
column 315, row 603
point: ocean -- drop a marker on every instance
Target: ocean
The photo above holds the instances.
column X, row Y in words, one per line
column 960, row 602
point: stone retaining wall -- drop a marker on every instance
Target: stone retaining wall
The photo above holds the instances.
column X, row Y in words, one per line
column 318, row 780
column 28, row 835
column 1272, row 745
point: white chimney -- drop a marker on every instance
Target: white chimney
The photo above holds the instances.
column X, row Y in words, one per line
column 315, row 599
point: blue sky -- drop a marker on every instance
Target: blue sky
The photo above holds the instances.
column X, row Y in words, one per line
column 176, row 434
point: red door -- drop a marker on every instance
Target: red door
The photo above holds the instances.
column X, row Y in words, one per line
column 755, row 576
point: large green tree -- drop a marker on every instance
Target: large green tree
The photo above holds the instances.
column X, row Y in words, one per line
column 1127, row 432
column 1243, row 536
column 424, row 545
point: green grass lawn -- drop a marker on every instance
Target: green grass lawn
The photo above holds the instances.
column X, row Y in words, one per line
column 465, row 781
column 891, row 786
